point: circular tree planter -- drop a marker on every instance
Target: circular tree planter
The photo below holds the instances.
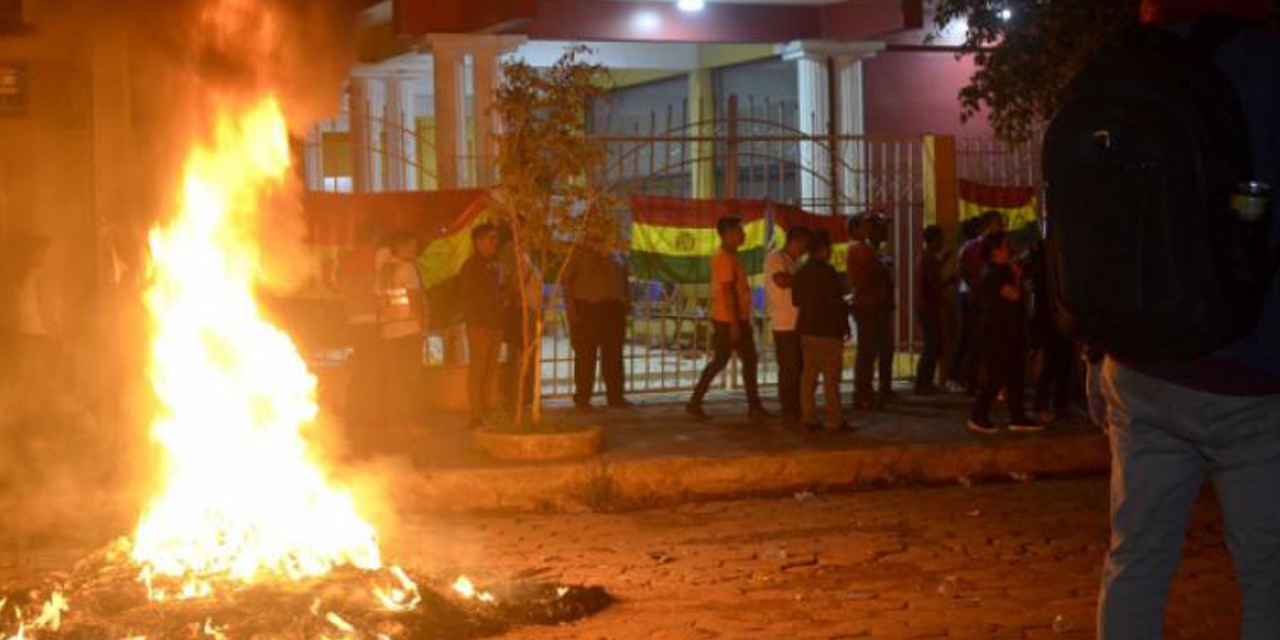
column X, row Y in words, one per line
column 542, row 444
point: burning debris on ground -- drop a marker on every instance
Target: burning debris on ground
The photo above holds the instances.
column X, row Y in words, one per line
column 107, row 596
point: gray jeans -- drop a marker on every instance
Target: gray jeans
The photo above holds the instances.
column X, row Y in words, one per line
column 1165, row 440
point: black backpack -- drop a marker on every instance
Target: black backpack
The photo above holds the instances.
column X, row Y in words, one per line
column 1147, row 259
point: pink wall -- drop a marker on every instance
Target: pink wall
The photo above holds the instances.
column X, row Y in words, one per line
column 915, row 91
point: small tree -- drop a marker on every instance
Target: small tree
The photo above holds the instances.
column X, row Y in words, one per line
column 1027, row 52
column 548, row 189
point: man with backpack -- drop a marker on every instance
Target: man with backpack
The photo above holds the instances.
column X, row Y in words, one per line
column 1162, row 254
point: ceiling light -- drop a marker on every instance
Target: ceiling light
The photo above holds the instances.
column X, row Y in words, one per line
column 1006, row 14
column 691, row 5
column 646, row 21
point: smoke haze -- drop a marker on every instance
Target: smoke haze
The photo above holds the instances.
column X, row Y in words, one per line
column 118, row 93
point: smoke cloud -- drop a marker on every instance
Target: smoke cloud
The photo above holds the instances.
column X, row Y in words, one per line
column 117, row 93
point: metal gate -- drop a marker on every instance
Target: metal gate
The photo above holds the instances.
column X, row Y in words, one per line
column 742, row 149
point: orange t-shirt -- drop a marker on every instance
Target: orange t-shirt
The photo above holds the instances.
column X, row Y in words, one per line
column 725, row 269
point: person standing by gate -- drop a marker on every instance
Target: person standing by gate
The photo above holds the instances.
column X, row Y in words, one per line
column 482, row 312
column 402, row 316
column 871, row 279
column 596, row 290
column 967, row 359
column 730, row 321
column 1001, row 339
column 930, row 291
column 779, row 270
column 823, row 326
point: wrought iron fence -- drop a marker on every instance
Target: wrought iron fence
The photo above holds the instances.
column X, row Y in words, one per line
column 745, row 150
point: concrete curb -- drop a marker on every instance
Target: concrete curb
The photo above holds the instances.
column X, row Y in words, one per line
column 604, row 485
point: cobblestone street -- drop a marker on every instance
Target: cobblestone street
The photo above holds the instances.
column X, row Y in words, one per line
column 997, row 561
column 1004, row 561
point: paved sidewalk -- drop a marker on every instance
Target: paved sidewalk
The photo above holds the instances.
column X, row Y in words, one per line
column 656, row 456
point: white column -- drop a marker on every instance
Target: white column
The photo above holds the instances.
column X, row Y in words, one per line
column 361, row 140
column 314, row 159
column 816, row 61
column 814, row 99
column 395, row 130
column 851, row 106
column 450, row 136
column 486, row 84
column 449, row 51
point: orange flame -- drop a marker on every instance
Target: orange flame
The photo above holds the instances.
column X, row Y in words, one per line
column 242, row 497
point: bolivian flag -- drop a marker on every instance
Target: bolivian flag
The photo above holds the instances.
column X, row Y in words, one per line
column 444, row 255
column 1018, row 204
column 672, row 239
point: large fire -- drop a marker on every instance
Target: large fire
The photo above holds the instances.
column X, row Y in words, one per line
column 243, row 499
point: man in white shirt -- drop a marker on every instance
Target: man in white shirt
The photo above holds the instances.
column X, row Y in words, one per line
column 779, row 268
column 402, row 314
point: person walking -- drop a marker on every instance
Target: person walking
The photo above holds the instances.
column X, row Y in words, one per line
column 823, row 327
column 930, row 293
column 598, row 299
column 779, row 271
column 482, row 313
column 402, row 319
column 730, row 321
column 871, row 280
column 1001, row 338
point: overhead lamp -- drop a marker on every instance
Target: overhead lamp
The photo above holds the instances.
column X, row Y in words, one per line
column 646, row 22
column 691, row 5
column 1006, row 14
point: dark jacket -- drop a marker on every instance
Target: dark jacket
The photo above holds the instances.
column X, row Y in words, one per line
column 870, row 276
column 481, row 295
column 818, row 293
column 1002, row 318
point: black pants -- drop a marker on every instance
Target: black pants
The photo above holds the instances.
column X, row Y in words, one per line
column 931, row 328
column 790, row 367
column 875, row 351
column 403, row 379
column 724, row 347
column 965, row 358
column 1005, row 359
column 598, row 333
column 1054, row 385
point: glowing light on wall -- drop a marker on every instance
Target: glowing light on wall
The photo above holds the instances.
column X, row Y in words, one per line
column 691, row 5
column 646, row 22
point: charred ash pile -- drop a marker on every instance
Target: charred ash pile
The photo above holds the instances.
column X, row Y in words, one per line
column 107, row 596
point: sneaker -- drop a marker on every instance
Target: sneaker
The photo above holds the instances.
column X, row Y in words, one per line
column 621, row 403
column 1025, row 425
column 695, row 409
column 845, row 427
column 758, row 412
column 981, row 425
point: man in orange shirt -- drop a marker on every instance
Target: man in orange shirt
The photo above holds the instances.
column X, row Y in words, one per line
column 730, row 320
